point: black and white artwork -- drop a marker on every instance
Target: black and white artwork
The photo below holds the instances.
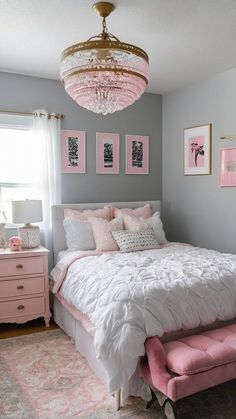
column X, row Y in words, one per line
column 73, row 151
column 108, row 154
column 137, row 154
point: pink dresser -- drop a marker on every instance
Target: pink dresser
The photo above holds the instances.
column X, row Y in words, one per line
column 24, row 290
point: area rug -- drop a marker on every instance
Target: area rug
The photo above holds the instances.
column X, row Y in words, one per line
column 42, row 376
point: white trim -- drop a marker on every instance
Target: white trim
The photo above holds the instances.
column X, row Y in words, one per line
column 16, row 122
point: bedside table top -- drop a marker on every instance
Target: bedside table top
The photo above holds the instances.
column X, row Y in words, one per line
column 24, row 252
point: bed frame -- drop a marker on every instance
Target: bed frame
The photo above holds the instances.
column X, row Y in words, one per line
column 71, row 326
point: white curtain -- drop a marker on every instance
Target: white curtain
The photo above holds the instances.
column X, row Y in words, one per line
column 46, row 129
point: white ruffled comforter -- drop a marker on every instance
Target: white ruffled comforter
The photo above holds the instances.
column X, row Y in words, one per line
column 131, row 296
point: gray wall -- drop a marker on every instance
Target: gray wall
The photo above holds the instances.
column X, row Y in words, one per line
column 195, row 208
column 22, row 93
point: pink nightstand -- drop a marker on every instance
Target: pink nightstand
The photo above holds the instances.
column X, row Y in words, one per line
column 24, row 290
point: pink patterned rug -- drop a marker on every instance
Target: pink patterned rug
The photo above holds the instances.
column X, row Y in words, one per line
column 42, row 376
column 45, row 377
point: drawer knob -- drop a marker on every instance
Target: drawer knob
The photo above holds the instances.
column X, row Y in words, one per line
column 21, row 307
column 20, row 287
column 19, row 266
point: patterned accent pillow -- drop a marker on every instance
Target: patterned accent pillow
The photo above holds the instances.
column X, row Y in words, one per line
column 102, row 231
column 131, row 241
column 105, row 213
column 144, row 211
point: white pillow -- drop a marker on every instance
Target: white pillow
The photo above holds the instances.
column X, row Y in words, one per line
column 155, row 223
column 79, row 234
column 132, row 241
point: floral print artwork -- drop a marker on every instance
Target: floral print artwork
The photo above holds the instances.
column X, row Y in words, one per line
column 196, row 151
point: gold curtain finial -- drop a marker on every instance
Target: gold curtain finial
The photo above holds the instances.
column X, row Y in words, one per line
column 56, row 115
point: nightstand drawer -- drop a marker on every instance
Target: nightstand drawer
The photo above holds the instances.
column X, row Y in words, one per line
column 21, row 266
column 22, row 307
column 17, row 287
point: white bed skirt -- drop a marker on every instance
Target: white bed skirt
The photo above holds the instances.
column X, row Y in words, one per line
column 84, row 344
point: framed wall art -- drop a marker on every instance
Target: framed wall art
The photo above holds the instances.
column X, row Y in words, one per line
column 227, row 166
column 107, row 153
column 73, row 151
column 137, row 154
column 197, row 150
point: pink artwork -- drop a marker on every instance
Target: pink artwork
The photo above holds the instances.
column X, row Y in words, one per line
column 137, row 154
column 227, row 167
column 73, row 151
column 107, row 153
column 197, row 150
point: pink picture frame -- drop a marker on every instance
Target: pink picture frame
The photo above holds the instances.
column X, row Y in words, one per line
column 73, row 151
column 137, row 154
column 107, row 153
column 197, row 150
column 227, row 166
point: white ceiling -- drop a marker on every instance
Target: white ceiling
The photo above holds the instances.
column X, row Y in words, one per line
column 187, row 40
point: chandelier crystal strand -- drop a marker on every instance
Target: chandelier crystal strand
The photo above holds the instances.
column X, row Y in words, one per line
column 103, row 74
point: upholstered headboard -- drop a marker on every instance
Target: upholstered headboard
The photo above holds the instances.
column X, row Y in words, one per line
column 58, row 233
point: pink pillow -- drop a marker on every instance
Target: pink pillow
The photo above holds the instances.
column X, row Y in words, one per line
column 105, row 213
column 144, row 211
column 102, row 232
column 134, row 224
column 154, row 222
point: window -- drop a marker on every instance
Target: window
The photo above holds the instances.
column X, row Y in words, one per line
column 20, row 162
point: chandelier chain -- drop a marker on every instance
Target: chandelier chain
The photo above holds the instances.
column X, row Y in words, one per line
column 104, row 28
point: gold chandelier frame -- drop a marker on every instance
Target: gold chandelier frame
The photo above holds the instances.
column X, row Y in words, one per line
column 103, row 44
column 107, row 40
column 115, row 70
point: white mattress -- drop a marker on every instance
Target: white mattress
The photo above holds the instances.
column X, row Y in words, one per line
column 63, row 253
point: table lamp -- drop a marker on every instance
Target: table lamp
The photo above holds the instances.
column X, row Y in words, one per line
column 28, row 211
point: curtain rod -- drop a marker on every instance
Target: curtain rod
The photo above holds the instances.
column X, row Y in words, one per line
column 32, row 114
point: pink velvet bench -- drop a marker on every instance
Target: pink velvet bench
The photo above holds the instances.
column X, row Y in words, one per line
column 186, row 366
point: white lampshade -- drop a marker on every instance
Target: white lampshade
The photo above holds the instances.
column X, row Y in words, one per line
column 28, row 211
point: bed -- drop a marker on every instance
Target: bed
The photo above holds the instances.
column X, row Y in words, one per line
column 175, row 308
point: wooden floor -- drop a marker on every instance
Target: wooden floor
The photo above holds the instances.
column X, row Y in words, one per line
column 9, row 330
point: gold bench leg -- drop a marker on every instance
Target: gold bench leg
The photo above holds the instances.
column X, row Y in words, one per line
column 117, row 399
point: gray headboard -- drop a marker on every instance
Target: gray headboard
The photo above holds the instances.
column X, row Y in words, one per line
column 58, row 233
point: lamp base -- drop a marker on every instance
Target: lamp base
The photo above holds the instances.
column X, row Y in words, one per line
column 30, row 236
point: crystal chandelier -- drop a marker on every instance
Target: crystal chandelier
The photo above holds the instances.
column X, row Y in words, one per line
column 103, row 74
